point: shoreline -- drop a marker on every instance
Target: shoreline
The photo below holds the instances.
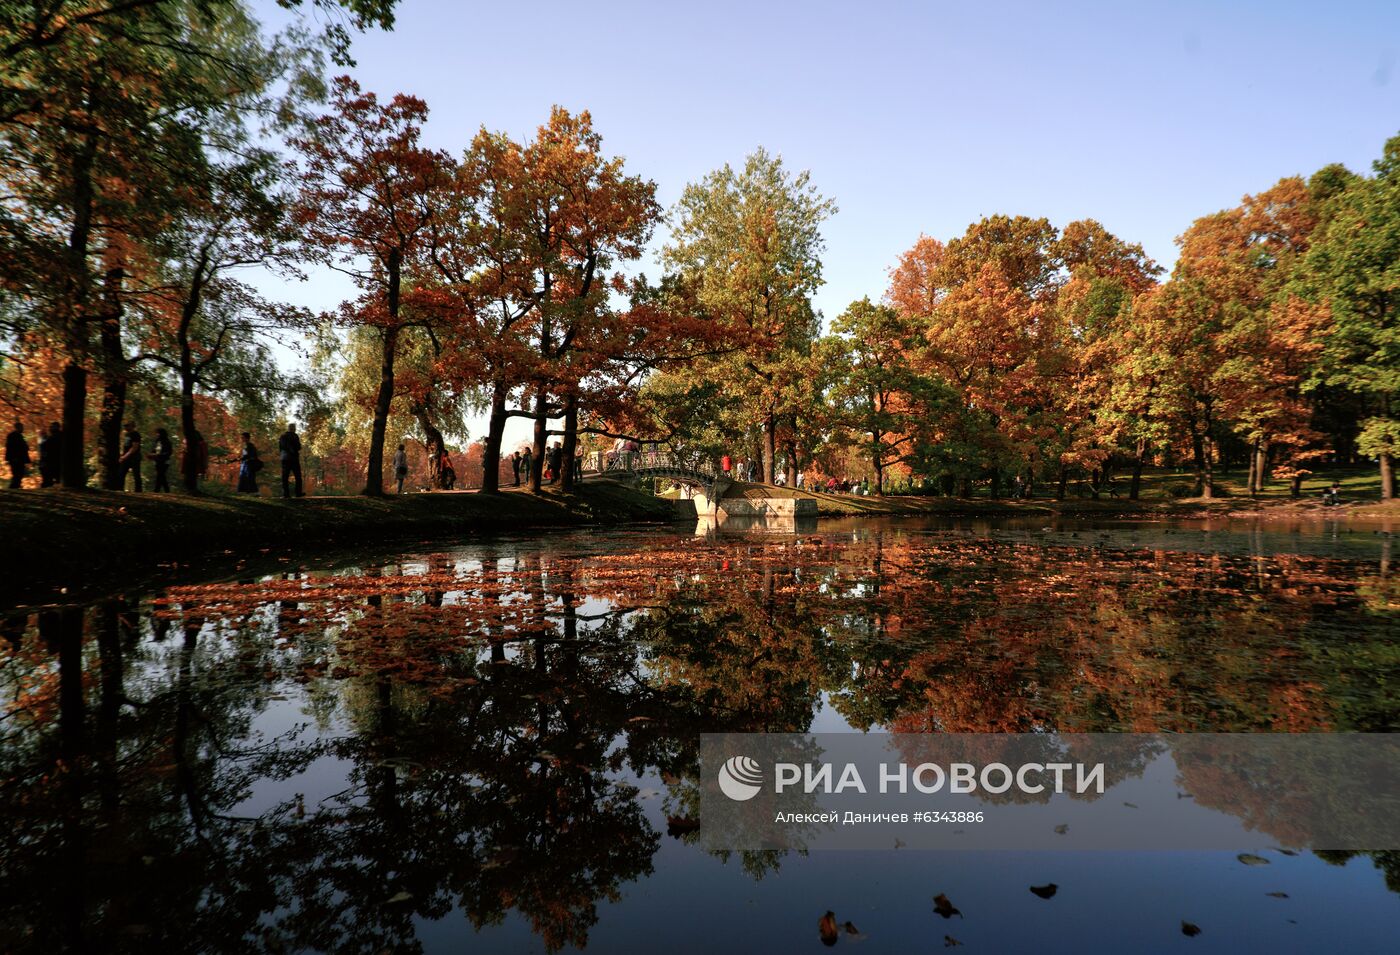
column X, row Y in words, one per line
column 57, row 544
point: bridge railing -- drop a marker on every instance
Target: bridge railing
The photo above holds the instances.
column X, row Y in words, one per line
column 604, row 462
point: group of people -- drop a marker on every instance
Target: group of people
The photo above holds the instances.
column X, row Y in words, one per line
column 18, row 459
column 743, row 470
column 132, row 453
column 523, row 460
column 250, row 463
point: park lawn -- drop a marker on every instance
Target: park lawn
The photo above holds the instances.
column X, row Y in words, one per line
column 57, row 538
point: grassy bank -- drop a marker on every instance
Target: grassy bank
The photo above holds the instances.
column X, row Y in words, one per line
column 1158, row 497
column 54, row 539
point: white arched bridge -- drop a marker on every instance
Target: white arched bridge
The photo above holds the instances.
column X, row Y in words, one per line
column 683, row 469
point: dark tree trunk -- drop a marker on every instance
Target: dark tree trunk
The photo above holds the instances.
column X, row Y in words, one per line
column 1387, row 477
column 996, row 484
column 790, row 471
column 877, row 459
column 1139, row 459
column 74, row 421
column 1063, row 483
column 433, row 441
column 374, row 471
column 566, row 460
column 109, row 422
column 495, row 429
column 770, row 448
column 75, row 370
column 541, row 441
column 189, row 435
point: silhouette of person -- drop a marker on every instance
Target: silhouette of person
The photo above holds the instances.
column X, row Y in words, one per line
column 290, row 447
column 130, row 460
column 17, row 454
column 161, row 457
column 51, row 456
column 249, row 464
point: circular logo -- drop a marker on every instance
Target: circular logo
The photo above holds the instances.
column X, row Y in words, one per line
column 740, row 778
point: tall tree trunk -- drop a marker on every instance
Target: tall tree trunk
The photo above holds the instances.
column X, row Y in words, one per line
column 189, row 436
column 996, row 483
column 770, row 448
column 1261, row 465
column 74, row 421
column 114, row 374
column 74, row 316
column 1063, row 484
column 566, row 460
column 790, row 470
column 1253, row 482
column 1139, row 460
column 495, row 430
column 389, row 342
column 374, row 471
column 541, row 441
column 1387, row 477
column 877, row 459
column 1198, row 453
column 433, row 441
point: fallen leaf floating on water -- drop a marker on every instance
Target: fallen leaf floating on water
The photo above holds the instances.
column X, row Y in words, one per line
column 1287, row 852
column 827, row 927
column 1277, row 895
column 1045, row 891
column 1189, row 929
column 950, row 942
column 941, row 906
column 852, row 930
column 1130, row 805
column 1061, row 829
column 1249, row 858
column 400, row 897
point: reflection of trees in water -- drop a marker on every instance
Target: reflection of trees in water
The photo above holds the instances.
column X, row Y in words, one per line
column 480, row 713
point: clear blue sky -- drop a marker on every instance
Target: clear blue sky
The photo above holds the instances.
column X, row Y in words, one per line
column 920, row 117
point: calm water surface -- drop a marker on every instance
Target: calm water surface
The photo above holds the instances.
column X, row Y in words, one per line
column 493, row 747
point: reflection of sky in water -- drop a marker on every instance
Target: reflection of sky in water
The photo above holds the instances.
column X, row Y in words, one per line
column 696, row 902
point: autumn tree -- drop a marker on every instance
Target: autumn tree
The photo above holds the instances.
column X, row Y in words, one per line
column 1237, row 351
column 365, row 209
column 877, row 392
column 1353, row 268
column 749, row 243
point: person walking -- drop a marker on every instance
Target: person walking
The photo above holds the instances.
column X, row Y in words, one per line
column 17, row 454
column 447, row 474
column 130, row 460
column 400, row 466
column 161, row 457
column 194, row 461
column 527, row 462
column 51, row 456
column 515, row 466
column 249, row 464
column 726, row 464
column 555, row 458
column 289, row 446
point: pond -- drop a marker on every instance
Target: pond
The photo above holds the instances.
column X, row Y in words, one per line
column 493, row 746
